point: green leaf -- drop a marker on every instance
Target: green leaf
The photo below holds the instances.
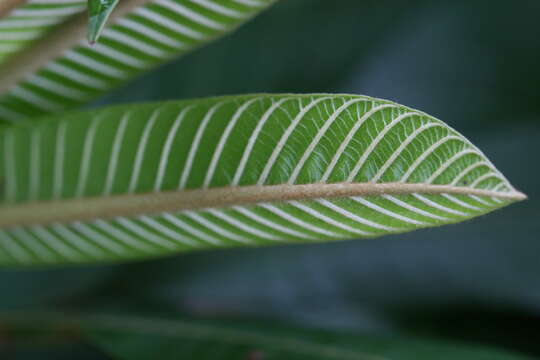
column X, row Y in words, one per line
column 138, row 338
column 25, row 22
column 47, row 65
column 98, row 14
column 146, row 180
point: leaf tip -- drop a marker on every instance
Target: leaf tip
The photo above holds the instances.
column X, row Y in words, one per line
column 98, row 14
column 513, row 196
column 519, row 196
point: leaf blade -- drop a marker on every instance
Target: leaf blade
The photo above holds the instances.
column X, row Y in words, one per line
column 26, row 21
column 56, row 69
column 98, row 14
column 236, row 171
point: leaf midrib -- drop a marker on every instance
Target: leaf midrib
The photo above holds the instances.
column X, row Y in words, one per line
column 6, row 6
column 107, row 207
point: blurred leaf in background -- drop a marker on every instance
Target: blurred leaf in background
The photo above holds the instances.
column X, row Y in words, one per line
column 471, row 64
column 139, row 337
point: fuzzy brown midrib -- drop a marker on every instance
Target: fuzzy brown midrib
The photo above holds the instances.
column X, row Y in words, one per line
column 106, row 207
column 7, row 6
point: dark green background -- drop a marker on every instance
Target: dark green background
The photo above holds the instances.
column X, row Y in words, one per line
column 473, row 64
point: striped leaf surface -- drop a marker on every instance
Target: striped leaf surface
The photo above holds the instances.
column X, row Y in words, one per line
column 47, row 65
column 146, row 180
column 33, row 19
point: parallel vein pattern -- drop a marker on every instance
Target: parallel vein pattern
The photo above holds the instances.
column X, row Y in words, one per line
column 145, row 37
column 32, row 20
column 234, row 143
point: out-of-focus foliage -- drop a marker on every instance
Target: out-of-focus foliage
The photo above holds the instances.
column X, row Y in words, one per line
column 171, row 337
column 47, row 66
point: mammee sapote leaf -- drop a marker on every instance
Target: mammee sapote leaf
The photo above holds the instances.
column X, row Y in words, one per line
column 47, row 65
column 134, row 181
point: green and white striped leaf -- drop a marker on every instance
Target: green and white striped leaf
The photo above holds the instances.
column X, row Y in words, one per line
column 28, row 22
column 47, row 65
column 146, row 180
